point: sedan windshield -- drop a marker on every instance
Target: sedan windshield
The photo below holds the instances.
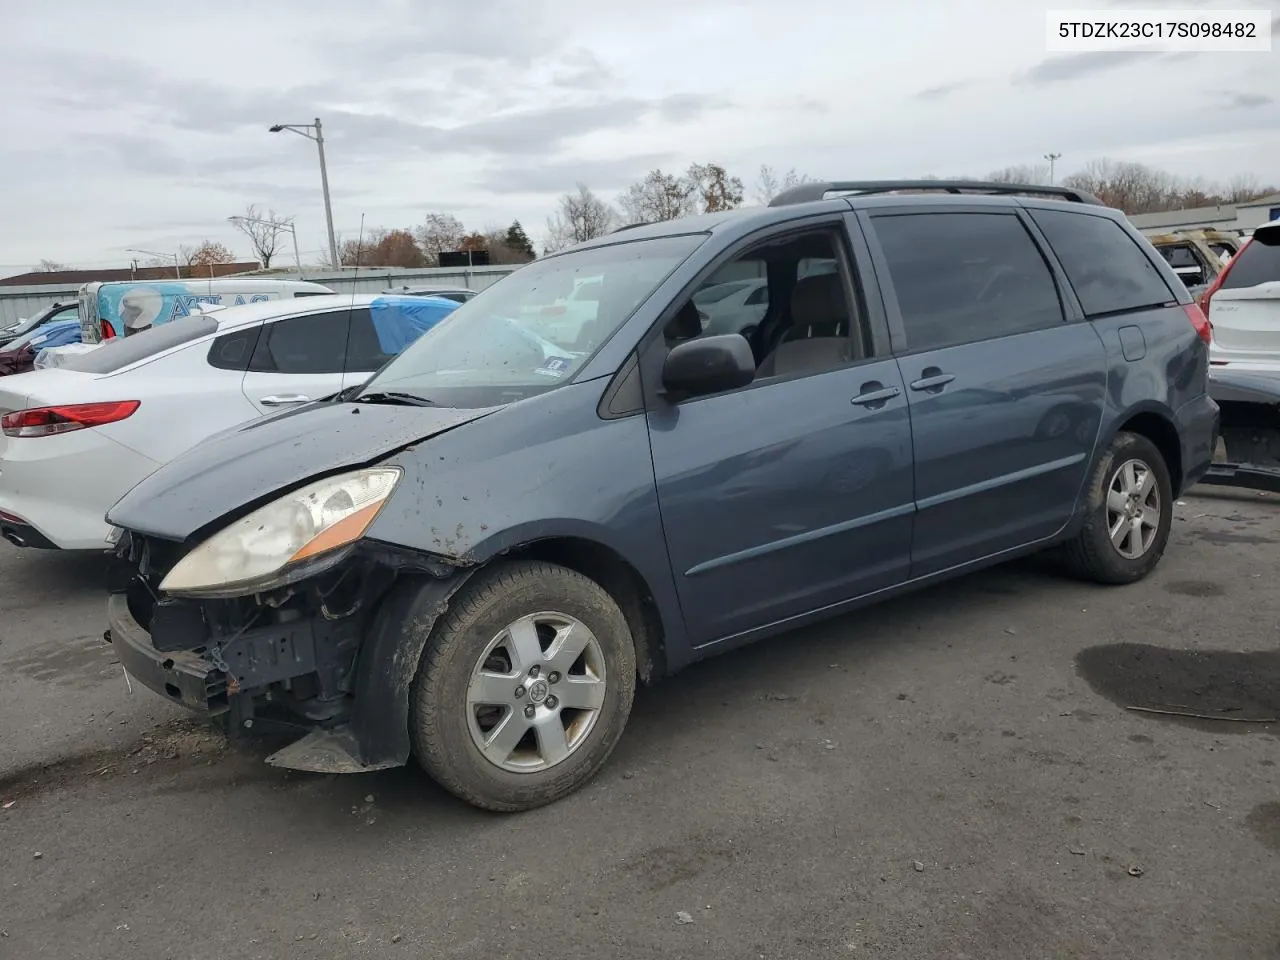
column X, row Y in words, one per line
column 529, row 333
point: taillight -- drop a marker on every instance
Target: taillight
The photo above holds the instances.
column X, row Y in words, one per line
column 47, row 421
column 1217, row 281
column 108, row 331
column 1198, row 320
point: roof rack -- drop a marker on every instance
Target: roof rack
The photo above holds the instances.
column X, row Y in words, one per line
column 806, row 192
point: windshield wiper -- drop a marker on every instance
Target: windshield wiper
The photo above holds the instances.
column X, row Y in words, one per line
column 395, row 396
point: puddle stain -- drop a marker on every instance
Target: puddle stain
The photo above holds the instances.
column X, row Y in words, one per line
column 1224, row 537
column 1196, row 588
column 1264, row 821
column 1227, row 683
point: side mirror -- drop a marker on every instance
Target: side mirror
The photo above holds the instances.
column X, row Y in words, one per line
column 709, row 365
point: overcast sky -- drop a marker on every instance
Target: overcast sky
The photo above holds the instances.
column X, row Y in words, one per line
column 144, row 123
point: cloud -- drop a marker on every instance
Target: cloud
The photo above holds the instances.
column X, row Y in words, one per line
column 556, row 176
column 1237, row 100
column 942, row 90
column 1074, row 66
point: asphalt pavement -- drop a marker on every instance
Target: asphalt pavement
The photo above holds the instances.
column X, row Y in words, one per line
column 954, row 774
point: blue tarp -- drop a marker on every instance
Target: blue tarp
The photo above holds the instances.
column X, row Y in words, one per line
column 56, row 334
column 398, row 321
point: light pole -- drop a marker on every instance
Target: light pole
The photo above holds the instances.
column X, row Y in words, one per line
column 1052, row 158
column 305, row 130
column 177, row 272
column 297, row 258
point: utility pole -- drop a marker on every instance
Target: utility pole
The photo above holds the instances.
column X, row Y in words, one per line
column 1053, row 158
column 304, row 129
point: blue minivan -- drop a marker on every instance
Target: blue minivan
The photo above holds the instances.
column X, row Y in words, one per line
column 475, row 557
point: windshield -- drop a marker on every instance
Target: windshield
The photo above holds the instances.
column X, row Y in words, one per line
column 48, row 315
column 515, row 339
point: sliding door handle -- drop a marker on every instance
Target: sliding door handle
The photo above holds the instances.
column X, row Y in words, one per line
column 934, row 383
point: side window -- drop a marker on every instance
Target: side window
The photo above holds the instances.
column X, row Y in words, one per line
column 315, row 343
column 364, row 350
column 788, row 298
column 964, row 277
column 1109, row 272
column 232, row 351
column 1180, row 255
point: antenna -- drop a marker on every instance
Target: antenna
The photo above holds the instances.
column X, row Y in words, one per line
column 359, row 253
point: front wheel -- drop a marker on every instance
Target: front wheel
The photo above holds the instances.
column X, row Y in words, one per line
column 1129, row 514
column 525, row 686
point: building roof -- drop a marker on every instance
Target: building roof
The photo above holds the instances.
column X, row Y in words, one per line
column 1195, row 216
column 76, row 277
column 1268, row 200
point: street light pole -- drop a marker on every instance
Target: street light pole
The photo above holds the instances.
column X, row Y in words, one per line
column 304, row 129
column 177, row 271
column 1052, row 158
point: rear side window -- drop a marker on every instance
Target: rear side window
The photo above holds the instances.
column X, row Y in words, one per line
column 314, row 343
column 964, row 277
column 232, row 351
column 1181, row 255
column 1258, row 262
column 119, row 352
column 365, row 353
column 1109, row 272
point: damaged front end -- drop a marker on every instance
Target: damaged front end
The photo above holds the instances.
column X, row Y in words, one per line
column 311, row 656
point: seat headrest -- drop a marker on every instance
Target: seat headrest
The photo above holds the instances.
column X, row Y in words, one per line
column 818, row 305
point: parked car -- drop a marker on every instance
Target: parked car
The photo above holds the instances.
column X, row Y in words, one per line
column 737, row 311
column 125, row 307
column 77, row 436
column 18, row 356
column 1243, row 306
column 473, row 558
column 1197, row 256
column 53, row 312
column 456, row 294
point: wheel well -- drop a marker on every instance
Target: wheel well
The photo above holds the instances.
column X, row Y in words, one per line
column 622, row 582
column 1165, row 436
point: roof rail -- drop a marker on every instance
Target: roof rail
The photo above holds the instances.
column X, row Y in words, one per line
column 630, row 226
column 806, row 192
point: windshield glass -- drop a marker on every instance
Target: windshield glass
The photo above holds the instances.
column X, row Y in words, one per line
column 518, row 337
column 47, row 315
column 1258, row 262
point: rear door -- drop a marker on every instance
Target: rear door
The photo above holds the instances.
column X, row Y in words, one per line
column 1005, row 388
column 297, row 360
column 1245, row 308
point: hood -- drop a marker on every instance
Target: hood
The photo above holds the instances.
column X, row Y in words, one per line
column 255, row 461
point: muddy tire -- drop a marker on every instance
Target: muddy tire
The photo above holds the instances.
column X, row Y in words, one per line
column 1128, row 514
column 524, row 688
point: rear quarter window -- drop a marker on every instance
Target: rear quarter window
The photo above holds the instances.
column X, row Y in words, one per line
column 1258, row 262
column 120, row 352
column 1107, row 269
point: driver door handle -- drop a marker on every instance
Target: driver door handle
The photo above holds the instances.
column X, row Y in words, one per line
column 282, row 399
column 874, row 397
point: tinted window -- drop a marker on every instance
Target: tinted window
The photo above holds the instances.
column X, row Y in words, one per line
column 1258, row 262
column 961, row 277
column 316, row 343
column 119, row 352
column 1107, row 269
column 364, row 351
column 232, row 351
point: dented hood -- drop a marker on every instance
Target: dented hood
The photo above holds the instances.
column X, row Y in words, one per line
column 266, row 457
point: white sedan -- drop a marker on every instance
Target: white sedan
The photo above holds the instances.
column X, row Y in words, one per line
column 75, row 438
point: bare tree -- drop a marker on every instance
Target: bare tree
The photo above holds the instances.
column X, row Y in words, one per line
column 264, row 230
column 713, row 188
column 206, row 254
column 49, row 266
column 582, row 216
column 1022, row 173
column 659, row 196
column 439, row 232
column 769, row 184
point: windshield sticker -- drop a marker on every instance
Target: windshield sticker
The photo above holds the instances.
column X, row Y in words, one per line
column 554, row 367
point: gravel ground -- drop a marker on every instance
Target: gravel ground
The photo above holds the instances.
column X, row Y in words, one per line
column 955, row 774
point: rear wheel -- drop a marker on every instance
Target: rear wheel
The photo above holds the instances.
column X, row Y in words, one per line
column 1129, row 514
column 525, row 686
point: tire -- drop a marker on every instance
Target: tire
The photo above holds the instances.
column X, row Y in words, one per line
column 1092, row 555
column 462, row 673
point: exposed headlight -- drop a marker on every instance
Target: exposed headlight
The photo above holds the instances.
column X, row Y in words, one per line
column 286, row 540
